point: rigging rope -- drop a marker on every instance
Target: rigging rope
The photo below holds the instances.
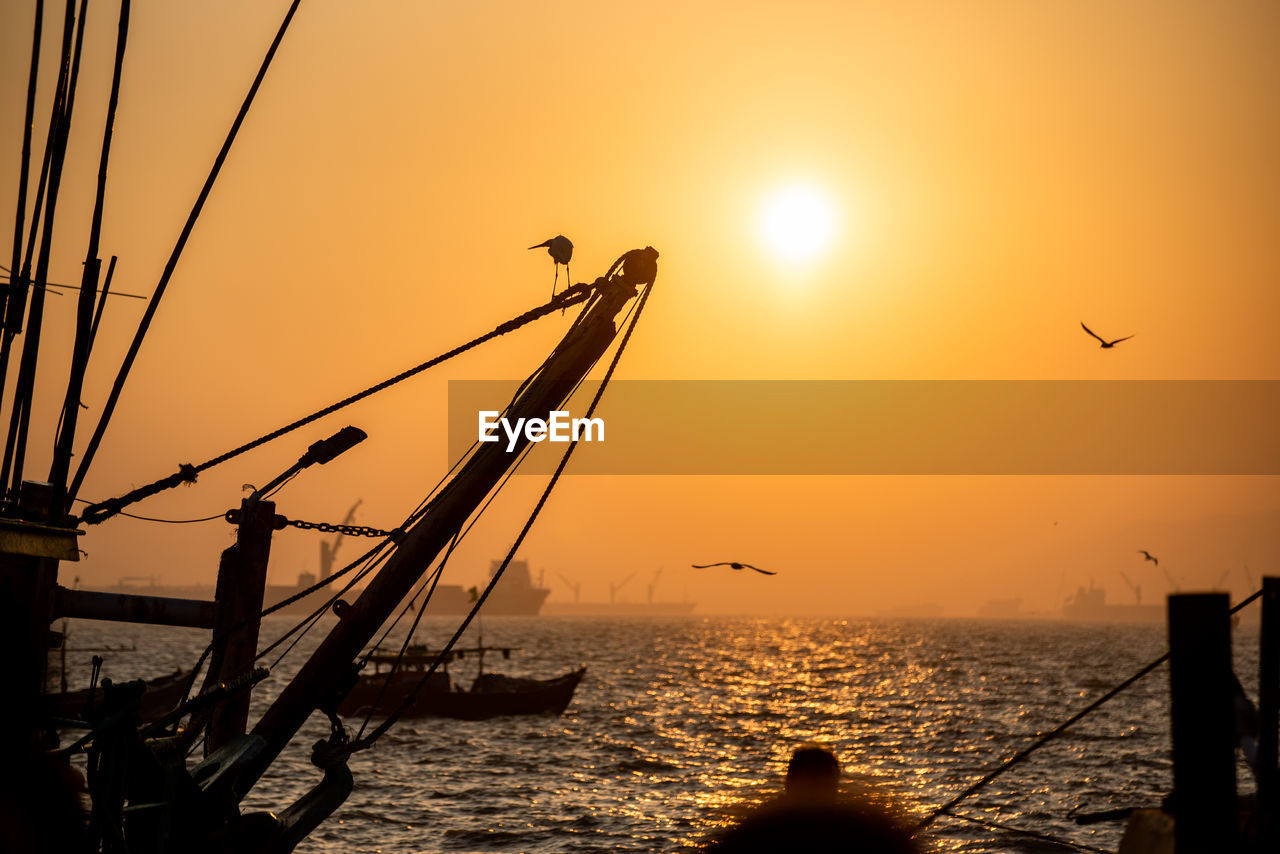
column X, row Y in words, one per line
column 367, row 742
column 434, row 578
column 195, row 671
column 643, row 273
column 434, row 581
column 186, row 473
column 1031, row 834
column 310, row 621
column 1042, row 740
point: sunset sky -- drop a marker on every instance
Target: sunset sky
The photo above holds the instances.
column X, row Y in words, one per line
column 993, row 174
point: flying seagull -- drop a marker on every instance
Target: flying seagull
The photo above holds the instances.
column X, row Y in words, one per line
column 1106, row 345
column 733, row 565
column 1147, row 555
column 560, row 248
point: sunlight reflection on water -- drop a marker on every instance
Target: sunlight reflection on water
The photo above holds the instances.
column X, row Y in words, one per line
column 681, row 723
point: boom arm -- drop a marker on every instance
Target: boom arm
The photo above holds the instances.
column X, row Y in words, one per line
column 325, row 675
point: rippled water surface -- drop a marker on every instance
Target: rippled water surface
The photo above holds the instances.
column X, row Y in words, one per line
column 681, row 722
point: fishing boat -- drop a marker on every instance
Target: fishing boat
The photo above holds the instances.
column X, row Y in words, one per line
column 397, row 681
column 162, row 694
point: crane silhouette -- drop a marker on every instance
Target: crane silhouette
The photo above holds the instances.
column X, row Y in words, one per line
column 614, row 588
column 560, row 248
column 1136, row 588
column 575, row 586
column 653, row 585
column 329, row 551
column 733, row 565
column 1106, row 345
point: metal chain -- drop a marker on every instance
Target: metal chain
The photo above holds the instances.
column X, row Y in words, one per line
column 279, row 523
column 330, row 528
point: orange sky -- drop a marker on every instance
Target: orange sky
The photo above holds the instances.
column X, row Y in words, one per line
column 1001, row 171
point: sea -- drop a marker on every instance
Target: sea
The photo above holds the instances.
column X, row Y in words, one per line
column 683, row 724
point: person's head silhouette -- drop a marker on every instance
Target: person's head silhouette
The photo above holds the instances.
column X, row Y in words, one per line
column 813, row 771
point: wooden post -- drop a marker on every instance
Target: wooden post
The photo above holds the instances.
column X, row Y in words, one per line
column 1203, row 723
column 30, row 549
column 1269, row 708
column 242, row 579
column 25, row 588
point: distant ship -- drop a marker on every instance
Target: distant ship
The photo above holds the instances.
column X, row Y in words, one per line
column 1091, row 605
column 272, row 593
column 1001, row 609
column 515, row 595
column 928, row 610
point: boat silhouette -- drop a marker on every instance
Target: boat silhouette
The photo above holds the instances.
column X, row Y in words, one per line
column 395, row 679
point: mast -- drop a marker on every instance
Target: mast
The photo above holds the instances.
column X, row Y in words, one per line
column 324, row 678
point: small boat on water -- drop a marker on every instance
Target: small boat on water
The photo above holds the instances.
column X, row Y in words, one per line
column 491, row 695
column 161, row 696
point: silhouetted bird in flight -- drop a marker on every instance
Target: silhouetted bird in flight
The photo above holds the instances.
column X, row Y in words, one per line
column 1106, row 345
column 733, row 565
column 1146, row 554
column 560, row 248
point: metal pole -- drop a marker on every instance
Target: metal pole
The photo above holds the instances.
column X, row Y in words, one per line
column 242, row 579
column 131, row 608
column 89, row 279
column 1203, row 723
column 91, row 449
column 1269, row 708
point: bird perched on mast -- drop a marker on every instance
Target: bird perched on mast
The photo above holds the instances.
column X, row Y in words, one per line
column 560, row 248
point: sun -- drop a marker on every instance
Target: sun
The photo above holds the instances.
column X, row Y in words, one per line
column 797, row 223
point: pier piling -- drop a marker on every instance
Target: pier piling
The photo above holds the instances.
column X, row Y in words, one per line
column 1203, row 725
column 1269, row 709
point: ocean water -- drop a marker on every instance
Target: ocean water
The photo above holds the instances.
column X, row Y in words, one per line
column 682, row 723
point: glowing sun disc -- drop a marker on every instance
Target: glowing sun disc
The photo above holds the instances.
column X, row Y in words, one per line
column 797, row 223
